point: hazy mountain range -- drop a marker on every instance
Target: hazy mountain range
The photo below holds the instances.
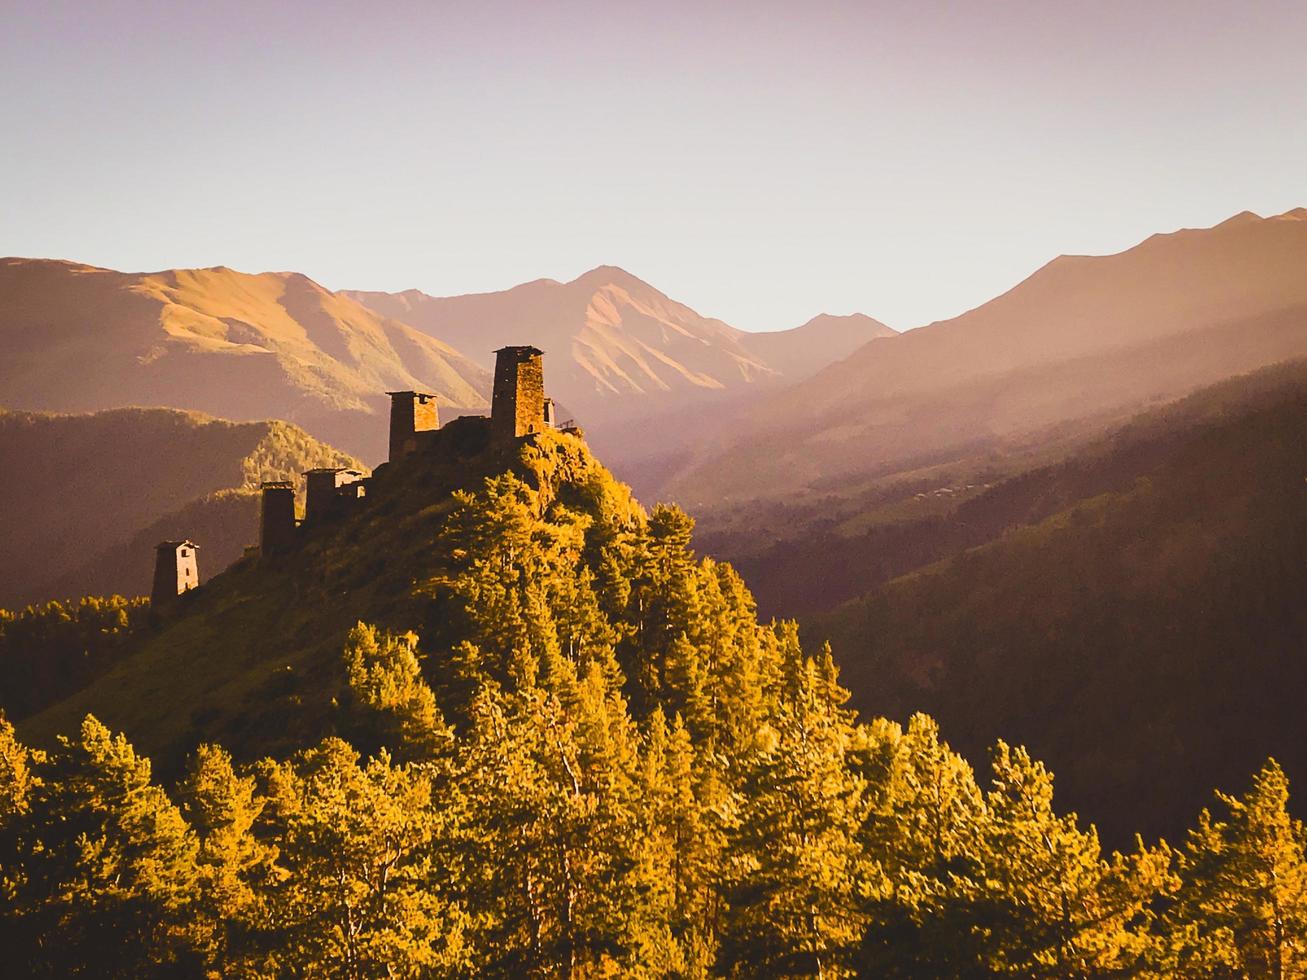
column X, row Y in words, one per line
column 810, row 434
column 78, row 338
column 615, row 343
column 1084, row 338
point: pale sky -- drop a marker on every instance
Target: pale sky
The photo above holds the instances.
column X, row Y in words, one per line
column 760, row 161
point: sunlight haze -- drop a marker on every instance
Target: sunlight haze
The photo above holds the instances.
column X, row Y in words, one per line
column 761, row 162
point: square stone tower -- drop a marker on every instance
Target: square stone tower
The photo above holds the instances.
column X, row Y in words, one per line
column 176, row 571
column 411, row 412
column 277, row 517
column 517, row 405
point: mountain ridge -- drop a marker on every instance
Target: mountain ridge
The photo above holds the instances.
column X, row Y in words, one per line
column 244, row 346
column 960, row 379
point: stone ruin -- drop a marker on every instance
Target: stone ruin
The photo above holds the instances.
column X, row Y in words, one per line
column 519, row 408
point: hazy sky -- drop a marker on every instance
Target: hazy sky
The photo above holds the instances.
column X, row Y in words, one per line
column 760, row 161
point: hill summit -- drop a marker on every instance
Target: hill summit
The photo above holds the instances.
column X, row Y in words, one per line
column 231, row 657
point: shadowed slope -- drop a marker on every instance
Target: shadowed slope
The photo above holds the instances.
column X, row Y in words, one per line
column 1140, row 624
column 253, row 659
column 92, row 485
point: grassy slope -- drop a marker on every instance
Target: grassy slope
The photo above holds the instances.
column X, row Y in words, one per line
column 99, row 491
column 253, row 660
column 1146, row 640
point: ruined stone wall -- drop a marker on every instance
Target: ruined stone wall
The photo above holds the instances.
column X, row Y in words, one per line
column 411, row 412
column 324, row 497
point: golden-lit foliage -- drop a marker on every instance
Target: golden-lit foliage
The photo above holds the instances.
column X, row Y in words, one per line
column 601, row 765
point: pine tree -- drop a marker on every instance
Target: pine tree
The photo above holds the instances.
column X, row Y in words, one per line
column 233, row 863
column 358, row 893
column 1242, row 907
column 684, row 846
column 1050, row 904
column 797, row 867
column 17, row 783
column 109, row 864
column 398, row 708
column 922, row 832
column 15, row 773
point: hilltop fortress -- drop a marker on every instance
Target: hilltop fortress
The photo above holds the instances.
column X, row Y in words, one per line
column 519, row 409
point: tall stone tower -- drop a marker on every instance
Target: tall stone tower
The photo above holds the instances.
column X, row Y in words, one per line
column 411, row 412
column 176, row 571
column 277, row 517
column 517, row 406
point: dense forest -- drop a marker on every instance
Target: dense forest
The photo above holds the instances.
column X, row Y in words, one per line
column 50, row 650
column 592, row 760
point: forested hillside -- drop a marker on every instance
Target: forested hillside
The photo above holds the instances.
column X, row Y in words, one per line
column 93, row 494
column 806, row 560
column 562, row 745
column 1146, row 637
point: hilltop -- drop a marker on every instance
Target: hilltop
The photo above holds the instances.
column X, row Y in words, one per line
column 253, row 658
column 98, row 491
column 76, row 338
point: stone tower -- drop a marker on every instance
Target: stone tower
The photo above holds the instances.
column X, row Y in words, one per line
column 277, row 517
column 517, row 407
column 328, row 491
column 176, row 571
column 411, row 412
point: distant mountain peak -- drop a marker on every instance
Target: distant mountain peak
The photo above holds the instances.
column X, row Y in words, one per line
column 609, row 275
column 854, row 321
column 1242, row 218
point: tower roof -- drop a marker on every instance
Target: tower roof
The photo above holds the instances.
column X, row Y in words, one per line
column 174, row 545
column 415, row 394
column 521, row 351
